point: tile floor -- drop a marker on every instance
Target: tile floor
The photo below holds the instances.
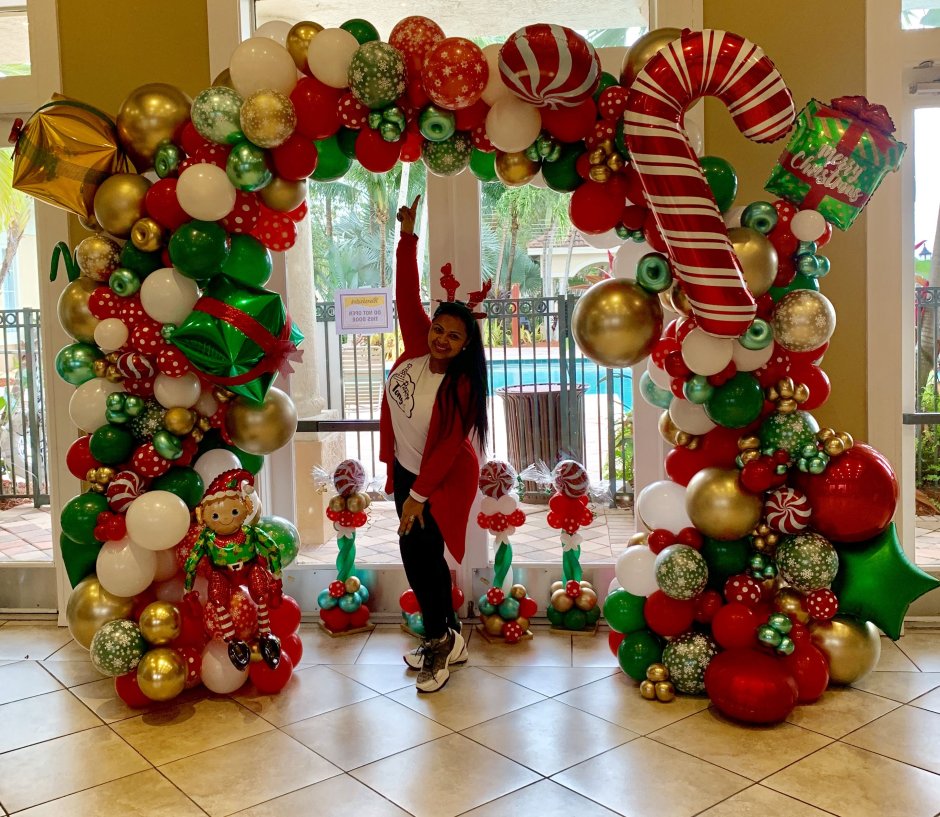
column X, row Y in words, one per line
column 549, row 727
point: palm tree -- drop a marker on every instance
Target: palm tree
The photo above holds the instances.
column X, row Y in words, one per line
column 14, row 214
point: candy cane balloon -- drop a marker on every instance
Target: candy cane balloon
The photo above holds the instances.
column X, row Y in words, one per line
column 701, row 63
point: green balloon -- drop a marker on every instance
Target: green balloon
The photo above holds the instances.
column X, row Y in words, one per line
column 555, row 617
column 637, row 651
column 346, row 139
column 574, row 619
column 166, row 160
column 593, row 614
column 725, row 559
column 377, row 74
column 653, row 394
column 697, row 389
column 681, row 572
column 332, row 162
column 607, row 81
column 285, row 535
column 80, row 559
column 761, row 216
column 75, row 363
column 483, row 165
column 216, row 115
column 722, row 180
column 653, row 272
column 167, row 445
column 687, row 657
column 362, row 30
column 124, row 282
column 111, row 444
column 449, row 157
column 737, row 402
column 624, row 611
column 799, row 282
column 788, row 432
column 437, row 124
column 247, row 167
column 198, row 249
column 183, row 482
column 249, row 261
column 143, row 263
column 117, row 647
column 562, row 175
column 80, row 515
column 808, row 561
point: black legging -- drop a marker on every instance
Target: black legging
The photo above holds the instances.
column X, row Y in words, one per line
column 422, row 554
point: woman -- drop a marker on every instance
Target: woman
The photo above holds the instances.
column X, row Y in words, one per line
column 435, row 398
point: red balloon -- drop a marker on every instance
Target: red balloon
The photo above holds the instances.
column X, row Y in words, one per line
column 750, row 686
column 79, row 459
column 411, row 145
column 659, row 539
column 595, row 208
column 414, row 37
column 141, row 600
column 570, row 124
column 295, row 159
column 457, row 599
column 374, row 153
column 810, row 670
column 707, row 605
column 855, row 498
column 192, row 660
column 613, row 641
column 191, row 141
column 285, row 618
column 163, row 206
column 633, row 216
column 245, row 214
column 408, row 602
column 294, row 647
column 735, row 626
column 317, row 108
column 359, row 617
column 271, row 681
column 472, row 117
column 454, row 73
column 816, row 380
column 128, row 690
column 667, row 616
column 653, row 234
column 527, row 607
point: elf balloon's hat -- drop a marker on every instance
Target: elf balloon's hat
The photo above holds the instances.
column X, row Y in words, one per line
column 235, row 483
column 450, row 285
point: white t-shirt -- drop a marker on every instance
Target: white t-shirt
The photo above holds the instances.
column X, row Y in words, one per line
column 411, row 390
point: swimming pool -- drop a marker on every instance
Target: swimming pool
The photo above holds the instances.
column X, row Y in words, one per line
column 541, row 370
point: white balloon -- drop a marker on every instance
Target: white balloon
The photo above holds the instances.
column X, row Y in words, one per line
column 626, row 259
column 329, row 55
column 495, row 87
column 506, row 504
column 173, row 392
column 507, row 582
column 747, row 360
column 111, row 334
column 214, row 462
column 172, row 589
column 206, row 405
column 808, row 225
column 217, row 673
column 87, row 404
column 690, row 417
column 636, row 571
column 488, row 505
column 661, row 504
column 603, row 241
column 201, row 587
column 732, row 218
column 511, row 124
column 659, row 376
column 538, row 180
column 125, row 569
column 706, row 354
column 614, row 585
column 260, row 63
column 157, row 520
column 276, row 30
column 167, row 565
column 205, row 192
column 611, row 57
column 695, row 136
column 167, row 296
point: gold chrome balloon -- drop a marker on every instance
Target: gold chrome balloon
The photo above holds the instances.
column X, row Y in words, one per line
column 556, row 585
column 517, row 591
column 667, row 428
column 616, row 323
column 352, row 584
column 97, row 257
column 719, row 506
column 642, row 50
column 493, row 624
column 261, row 429
column 665, row 691
column 524, row 623
column 803, row 320
column 561, row 601
column 161, row 674
column 648, row 690
column 515, row 169
column 90, row 607
column 675, row 299
column 223, row 79
column 587, row 600
column 639, row 538
column 789, row 600
column 179, row 421
column 851, row 646
column 280, row 194
column 147, row 235
column 119, row 203
column 268, row 118
column 354, row 503
column 73, row 313
column 160, row 622
column 337, row 504
column 657, row 672
column 757, row 256
column 298, row 42
column 150, row 115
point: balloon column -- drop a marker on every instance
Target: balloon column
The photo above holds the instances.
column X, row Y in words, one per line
column 342, row 604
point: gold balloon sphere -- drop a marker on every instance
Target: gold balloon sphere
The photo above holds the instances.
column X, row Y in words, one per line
column 90, row 607
column 803, row 320
column 616, row 323
column 161, row 674
column 282, row 195
column 642, row 50
column 354, row 503
column 337, row 504
column 150, row 115
column 97, row 257
column 515, row 169
column 789, row 600
column 851, row 646
column 675, row 299
column 665, row 691
column 298, row 42
column 119, row 203
column 493, row 624
column 517, row 591
column 179, row 421
column 352, row 584
column 667, row 428
column 757, row 256
column 268, row 118
column 657, row 672
column 88, row 223
column 73, row 312
column 147, row 235
column 719, row 506
column 524, row 623
column 587, row 600
column 586, row 583
column 561, row 601
column 638, row 538
column 648, row 690
column 160, row 622
column 557, row 586
column 224, row 79
column 261, row 429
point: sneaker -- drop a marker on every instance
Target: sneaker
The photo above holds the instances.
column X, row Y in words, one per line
column 438, row 655
column 415, row 658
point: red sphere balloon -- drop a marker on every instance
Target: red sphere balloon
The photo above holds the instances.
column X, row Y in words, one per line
column 411, row 145
column 707, row 605
column 810, row 670
column 271, row 681
column 374, row 153
column 295, row 159
column 735, row 626
column 285, row 618
column 414, row 37
column 457, row 599
column 294, row 647
column 527, row 607
column 408, row 602
column 335, row 619
column 455, row 73
column 317, row 108
column 595, row 208
column 79, row 460
column 163, row 206
column 854, row 498
column 570, row 124
column 750, row 686
column 359, row 617
column 128, row 690
column 472, row 117
column 613, row 641
column 667, row 616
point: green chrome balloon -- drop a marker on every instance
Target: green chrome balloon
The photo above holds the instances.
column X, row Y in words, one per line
column 562, row 175
column 198, row 249
column 111, row 444
column 75, row 363
column 167, row 445
column 166, row 160
column 761, row 216
column 759, row 335
column 249, row 261
column 722, row 180
column 332, row 162
column 124, row 282
column 653, row 272
column 436, row 124
column 697, row 389
column 184, row 482
column 247, row 167
column 807, row 264
column 653, row 394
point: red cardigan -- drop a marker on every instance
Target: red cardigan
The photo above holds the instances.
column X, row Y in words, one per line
column 449, row 467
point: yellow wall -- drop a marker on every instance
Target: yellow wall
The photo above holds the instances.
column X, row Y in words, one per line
column 820, row 55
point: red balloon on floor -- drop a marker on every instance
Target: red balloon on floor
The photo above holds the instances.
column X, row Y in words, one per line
column 750, row 686
column 271, row 681
column 294, row 647
column 128, row 691
column 613, row 641
column 285, row 619
column 810, row 670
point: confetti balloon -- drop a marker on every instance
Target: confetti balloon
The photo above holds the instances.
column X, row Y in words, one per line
column 448, row 157
column 267, row 119
column 216, row 115
column 803, row 320
column 788, row 432
column 414, row 37
column 377, row 75
column 808, row 561
column 117, row 647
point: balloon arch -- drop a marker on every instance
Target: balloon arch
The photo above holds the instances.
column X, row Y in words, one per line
column 769, row 558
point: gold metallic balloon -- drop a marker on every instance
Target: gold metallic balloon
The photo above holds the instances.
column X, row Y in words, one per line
column 648, row 690
column 298, row 42
column 657, row 672
column 665, row 691
column 160, row 622
column 517, row 591
column 73, row 312
column 493, row 624
column 789, row 600
column 262, row 428
column 675, row 299
column 639, row 538
column 719, row 506
column 147, row 235
column 280, row 194
column 640, row 52
column 558, row 585
column 757, row 256
column 90, row 607
column 268, row 118
column 524, row 623
column 337, row 504
column 515, row 169
column 616, row 323
column 97, row 257
column 119, row 203
column 803, row 320
column 587, row 600
column 150, row 115
column 352, row 584
column 161, row 674
column 667, row 428
column 851, row 646
column 223, row 79
column 561, row 601
column 179, row 421
column 354, row 503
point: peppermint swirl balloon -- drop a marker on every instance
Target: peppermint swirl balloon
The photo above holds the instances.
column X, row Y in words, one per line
column 570, row 479
column 124, row 489
column 787, row 510
column 497, row 478
column 349, row 477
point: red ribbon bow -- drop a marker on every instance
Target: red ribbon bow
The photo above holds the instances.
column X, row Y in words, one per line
column 874, row 115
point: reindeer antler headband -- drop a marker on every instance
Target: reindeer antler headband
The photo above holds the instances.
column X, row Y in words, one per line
column 450, row 285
